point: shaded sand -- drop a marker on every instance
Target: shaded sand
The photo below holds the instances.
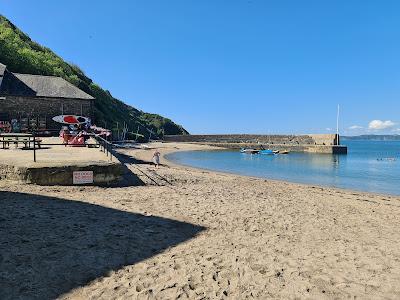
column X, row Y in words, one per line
column 195, row 234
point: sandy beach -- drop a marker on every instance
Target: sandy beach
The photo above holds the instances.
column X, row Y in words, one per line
column 196, row 234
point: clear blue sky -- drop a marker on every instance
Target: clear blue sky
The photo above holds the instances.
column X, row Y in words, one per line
column 214, row 66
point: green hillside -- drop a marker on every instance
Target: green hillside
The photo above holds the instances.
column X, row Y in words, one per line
column 22, row 55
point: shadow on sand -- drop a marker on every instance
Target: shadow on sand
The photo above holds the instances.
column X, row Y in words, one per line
column 128, row 178
column 132, row 179
column 49, row 246
column 128, row 159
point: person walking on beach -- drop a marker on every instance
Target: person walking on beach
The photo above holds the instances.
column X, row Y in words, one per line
column 156, row 158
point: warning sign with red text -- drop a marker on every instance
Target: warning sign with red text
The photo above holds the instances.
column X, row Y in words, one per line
column 82, row 177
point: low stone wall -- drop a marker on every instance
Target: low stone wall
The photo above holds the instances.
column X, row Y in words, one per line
column 314, row 143
column 311, row 139
column 103, row 174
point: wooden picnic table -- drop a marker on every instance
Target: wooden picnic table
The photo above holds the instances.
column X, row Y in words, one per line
column 15, row 138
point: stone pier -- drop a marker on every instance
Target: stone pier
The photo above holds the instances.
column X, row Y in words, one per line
column 313, row 143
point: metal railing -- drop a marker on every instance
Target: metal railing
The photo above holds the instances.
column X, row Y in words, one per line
column 105, row 146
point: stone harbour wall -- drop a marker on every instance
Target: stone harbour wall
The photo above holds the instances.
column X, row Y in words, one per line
column 311, row 139
column 315, row 143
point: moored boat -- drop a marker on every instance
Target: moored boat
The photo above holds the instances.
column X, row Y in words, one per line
column 249, row 151
column 266, row 152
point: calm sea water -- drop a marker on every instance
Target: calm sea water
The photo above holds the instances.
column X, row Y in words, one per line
column 361, row 169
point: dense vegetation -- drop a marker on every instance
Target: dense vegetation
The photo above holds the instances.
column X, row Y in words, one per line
column 22, row 55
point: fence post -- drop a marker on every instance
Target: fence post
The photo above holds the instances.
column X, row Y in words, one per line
column 34, row 146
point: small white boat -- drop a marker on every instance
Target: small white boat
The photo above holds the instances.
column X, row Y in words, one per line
column 249, row 151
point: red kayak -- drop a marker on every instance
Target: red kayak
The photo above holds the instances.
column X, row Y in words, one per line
column 70, row 119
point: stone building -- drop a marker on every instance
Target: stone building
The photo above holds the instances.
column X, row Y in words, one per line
column 33, row 100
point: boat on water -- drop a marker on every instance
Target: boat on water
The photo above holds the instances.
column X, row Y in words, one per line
column 268, row 152
column 263, row 151
column 249, row 151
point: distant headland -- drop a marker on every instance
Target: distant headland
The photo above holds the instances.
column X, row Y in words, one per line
column 372, row 137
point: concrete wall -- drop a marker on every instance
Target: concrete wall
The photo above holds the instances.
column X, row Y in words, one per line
column 17, row 107
column 104, row 173
column 312, row 139
column 325, row 139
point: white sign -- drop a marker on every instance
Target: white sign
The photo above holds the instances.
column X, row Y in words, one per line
column 82, row 177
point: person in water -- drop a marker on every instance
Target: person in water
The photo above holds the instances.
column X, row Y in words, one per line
column 156, row 158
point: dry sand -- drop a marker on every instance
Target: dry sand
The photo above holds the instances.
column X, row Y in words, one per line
column 51, row 155
column 195, row 234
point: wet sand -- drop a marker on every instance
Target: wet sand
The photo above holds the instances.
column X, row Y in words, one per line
column 197, row 234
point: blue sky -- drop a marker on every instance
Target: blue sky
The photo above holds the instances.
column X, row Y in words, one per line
column 254, row 66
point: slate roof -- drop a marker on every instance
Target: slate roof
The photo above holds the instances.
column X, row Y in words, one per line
column 50, row 86
column 15, row 84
